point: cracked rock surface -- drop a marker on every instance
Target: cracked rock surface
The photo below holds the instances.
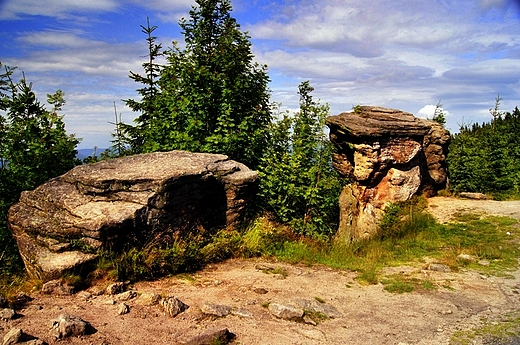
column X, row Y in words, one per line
column 126, row 201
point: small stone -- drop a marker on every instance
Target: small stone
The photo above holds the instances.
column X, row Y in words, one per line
column 173, row 306
column 34, row 342
column 114, row 288
column 474, row 196
column 13, row 336
column 439, row 268
column 33, row 309
column 69, row 326
column 241, row 312
column 57, row 287
column 212, row 336
column 84, row 295
column 7, row 314
column 126, row 296
column 97, row 291
column 123, row 309
column 308, row 320
column 148, row 299
column 107, row 301
column 260, row 291
column 215, row 309
column 316, row 307
column 466, row 258
column 286, row 312
column 484, row 263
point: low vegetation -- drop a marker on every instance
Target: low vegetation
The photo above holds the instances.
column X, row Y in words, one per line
column 503, row 332
column 212, row 97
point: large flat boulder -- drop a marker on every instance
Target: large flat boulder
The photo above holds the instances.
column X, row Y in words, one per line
column 126, row 202
column 389, row 156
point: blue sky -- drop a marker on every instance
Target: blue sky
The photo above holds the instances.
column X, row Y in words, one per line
column 407, row 54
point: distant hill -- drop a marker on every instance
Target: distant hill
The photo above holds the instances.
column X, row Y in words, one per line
column 84, row 153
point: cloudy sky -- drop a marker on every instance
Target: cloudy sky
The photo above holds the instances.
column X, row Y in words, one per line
column 404, row 54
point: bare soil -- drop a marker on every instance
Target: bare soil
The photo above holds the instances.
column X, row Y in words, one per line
column 371, row 315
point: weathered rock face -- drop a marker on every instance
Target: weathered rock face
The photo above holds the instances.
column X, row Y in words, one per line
column 126, row 202
column 389, row 156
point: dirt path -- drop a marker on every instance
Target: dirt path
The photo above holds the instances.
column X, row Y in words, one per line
column 443, row 208
column 370, row 315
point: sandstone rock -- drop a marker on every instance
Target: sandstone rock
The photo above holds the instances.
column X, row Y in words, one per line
column 57, row 287
column 84, row 295
column 242, row 312
column 286, row 312
column 126, row 296
column 212, row 336
column 466, row 258
column 123, row 309
column 439, row 268
column 314, row 306
column 173, row 306
column 217, row 310
column 7, row 314
column 148, row 299
column 126, row 202
column 13, row 336
column 115, row 288
column 474, row 196
column 34, row 342
column 69, row 326
column 389, row 156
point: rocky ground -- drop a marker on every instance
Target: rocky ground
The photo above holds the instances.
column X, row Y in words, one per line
column 248, row 294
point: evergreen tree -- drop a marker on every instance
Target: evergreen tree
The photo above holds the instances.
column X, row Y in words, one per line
column 297, row 181
column 486, row 157
column 212, row 96
column 133, row 138
column 34, row 147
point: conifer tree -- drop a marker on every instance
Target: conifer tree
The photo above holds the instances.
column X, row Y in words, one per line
column 212, row 96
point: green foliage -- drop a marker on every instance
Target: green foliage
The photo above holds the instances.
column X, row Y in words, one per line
column 438, row 115
column 34, row 147
column 209, row 97
column 504, row 332
column 192, row 252
column 396, row 284
column 492, row 238
column 405, row 219
column 297, row 181
column 486, row 158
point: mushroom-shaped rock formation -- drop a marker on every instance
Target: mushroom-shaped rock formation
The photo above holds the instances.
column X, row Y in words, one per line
column 389, row 156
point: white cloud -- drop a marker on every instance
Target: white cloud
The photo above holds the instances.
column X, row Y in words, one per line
column 428, row 111
column 15, row 9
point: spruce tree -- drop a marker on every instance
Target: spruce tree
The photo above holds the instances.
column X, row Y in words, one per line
column 212, row 96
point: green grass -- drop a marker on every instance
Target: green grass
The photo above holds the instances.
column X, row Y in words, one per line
column 398, row 285
column 493, row 238
column 497, row 332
